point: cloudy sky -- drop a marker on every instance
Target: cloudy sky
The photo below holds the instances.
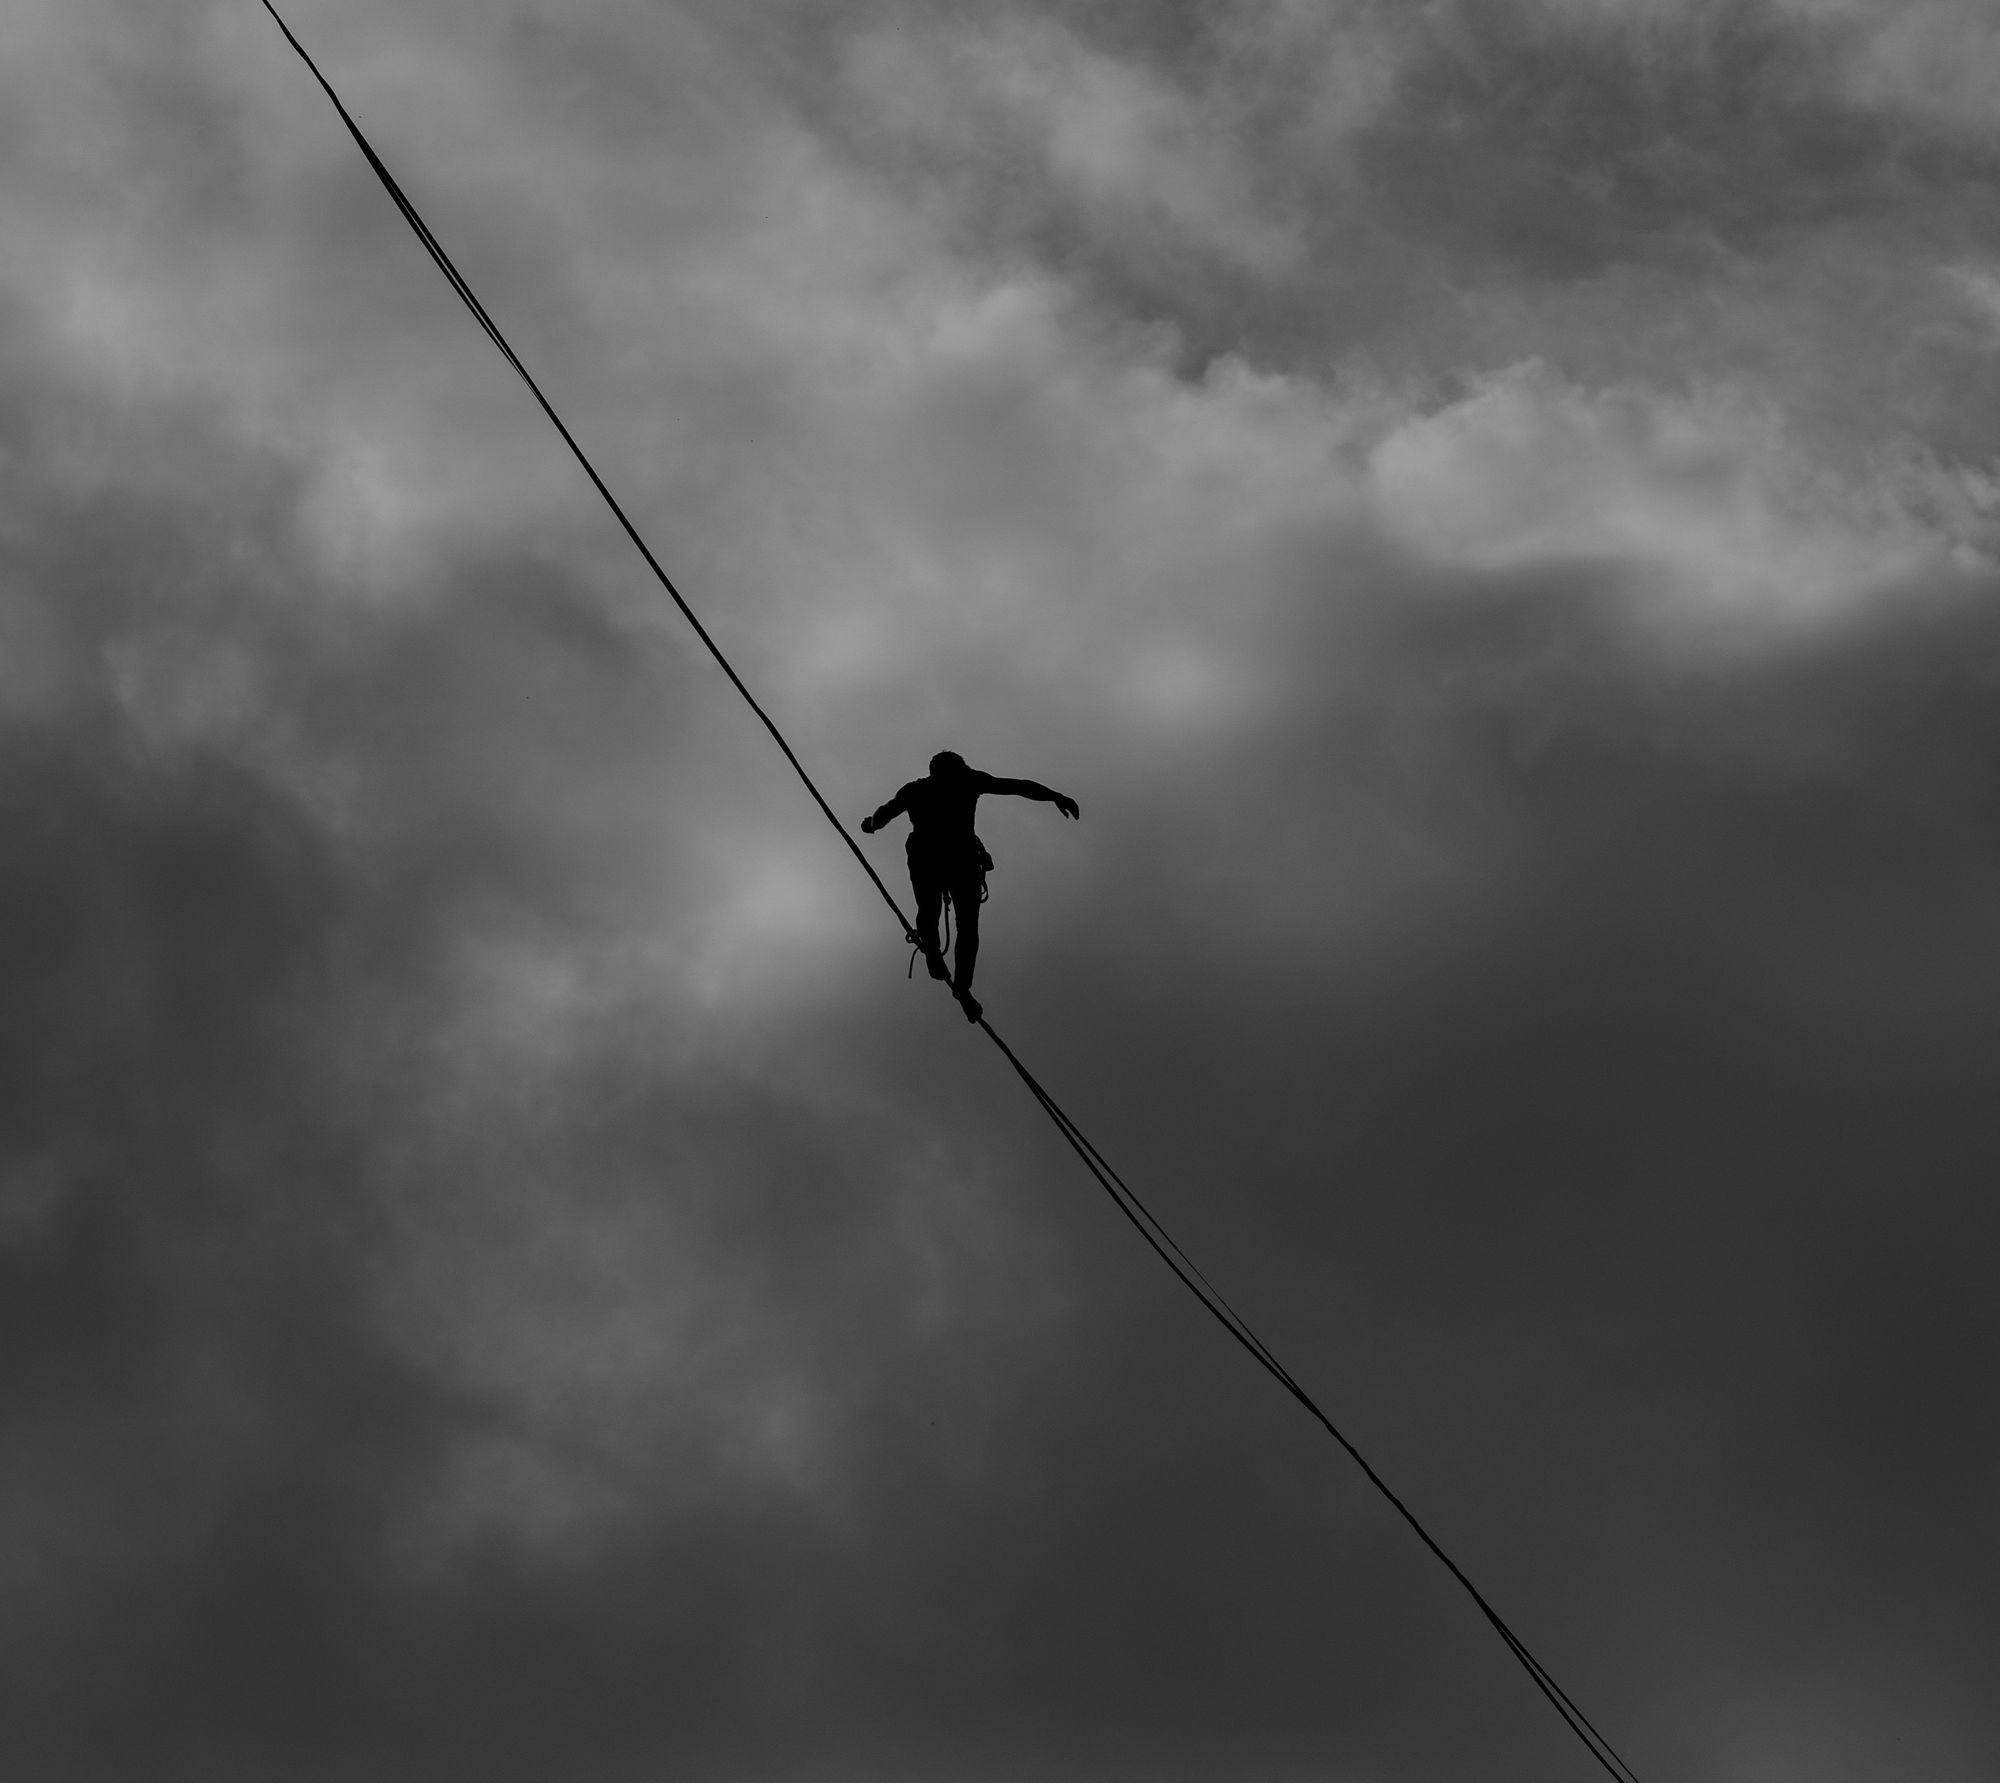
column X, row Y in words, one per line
column 1492, row 506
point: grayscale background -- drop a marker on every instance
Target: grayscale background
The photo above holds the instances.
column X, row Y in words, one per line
column 1493, row 509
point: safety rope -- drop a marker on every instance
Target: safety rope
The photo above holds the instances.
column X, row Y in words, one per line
column 1122, row 1196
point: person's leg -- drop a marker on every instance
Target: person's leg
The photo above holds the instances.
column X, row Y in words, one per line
column 965, row 908
column 929, row 893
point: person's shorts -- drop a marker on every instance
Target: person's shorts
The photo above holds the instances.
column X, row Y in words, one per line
column 954, row 870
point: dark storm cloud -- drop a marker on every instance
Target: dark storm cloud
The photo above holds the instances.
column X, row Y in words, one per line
column 272, row 1207
column 197, row 1421
column 1660, row 190
column 1569, row 143
column 1656, row 1160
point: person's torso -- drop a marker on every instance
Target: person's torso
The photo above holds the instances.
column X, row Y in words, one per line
column 941, row 811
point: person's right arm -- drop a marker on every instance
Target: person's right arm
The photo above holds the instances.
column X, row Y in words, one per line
column 883, row 813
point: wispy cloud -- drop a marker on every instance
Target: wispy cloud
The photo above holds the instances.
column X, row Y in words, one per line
column 1115, row 139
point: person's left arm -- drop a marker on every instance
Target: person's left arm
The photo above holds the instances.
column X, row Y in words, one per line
column 1033, row 789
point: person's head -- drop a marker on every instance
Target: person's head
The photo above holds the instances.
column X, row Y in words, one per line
column 946, row 763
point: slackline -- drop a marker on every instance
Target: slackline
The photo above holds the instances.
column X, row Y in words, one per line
column 1122, row 1195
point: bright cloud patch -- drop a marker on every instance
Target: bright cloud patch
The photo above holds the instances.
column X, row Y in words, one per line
column 1706, row 492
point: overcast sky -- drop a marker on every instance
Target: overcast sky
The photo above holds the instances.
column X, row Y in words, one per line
column 1492, row 507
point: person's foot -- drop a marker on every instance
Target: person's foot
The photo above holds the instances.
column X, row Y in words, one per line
column 935, row 962
column 969, row 1003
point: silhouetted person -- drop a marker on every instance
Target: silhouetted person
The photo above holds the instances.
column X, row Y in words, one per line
column 947, row 859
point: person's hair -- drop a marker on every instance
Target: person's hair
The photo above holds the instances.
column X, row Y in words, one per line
column 947, row 761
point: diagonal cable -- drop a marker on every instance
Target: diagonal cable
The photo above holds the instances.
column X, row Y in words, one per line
column 469, row 298
column 1169, row 1251
column 1123, row 1197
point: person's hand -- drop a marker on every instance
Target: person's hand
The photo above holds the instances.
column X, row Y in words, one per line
column 1067, row 805
column 868, row 826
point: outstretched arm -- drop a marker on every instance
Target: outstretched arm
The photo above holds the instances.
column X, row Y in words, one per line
column 882, row 813
column 1034, row 789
